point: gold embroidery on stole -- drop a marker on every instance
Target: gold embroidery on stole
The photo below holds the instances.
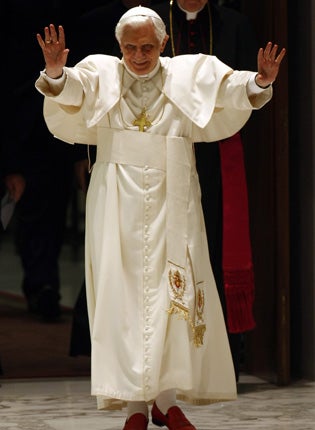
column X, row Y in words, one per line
column 180, row 305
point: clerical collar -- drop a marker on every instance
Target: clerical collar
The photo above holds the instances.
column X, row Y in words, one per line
column 143, row 77
column 190, row 15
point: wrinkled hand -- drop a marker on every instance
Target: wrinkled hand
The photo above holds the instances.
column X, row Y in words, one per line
column 54, row 50
column 268, row 62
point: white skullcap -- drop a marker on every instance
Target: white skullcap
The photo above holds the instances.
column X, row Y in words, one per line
column 139, row 11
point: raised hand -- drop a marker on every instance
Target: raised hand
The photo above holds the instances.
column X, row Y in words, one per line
column 54, row 50
column 268, row 63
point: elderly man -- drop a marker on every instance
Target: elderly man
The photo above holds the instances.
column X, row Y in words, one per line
column 157, row 327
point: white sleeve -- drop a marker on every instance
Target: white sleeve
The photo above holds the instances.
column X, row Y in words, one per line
column 56, row 85
column 253, row 88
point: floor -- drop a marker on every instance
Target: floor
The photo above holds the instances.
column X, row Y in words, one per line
column 54, row 404
column 66, row 404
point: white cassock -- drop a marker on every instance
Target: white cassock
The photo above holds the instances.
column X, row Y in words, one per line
column 156, row 321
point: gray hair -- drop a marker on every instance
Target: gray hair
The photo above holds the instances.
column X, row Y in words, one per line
column 137, row 21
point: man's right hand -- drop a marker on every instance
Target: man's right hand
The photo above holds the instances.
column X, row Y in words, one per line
column 54, row 50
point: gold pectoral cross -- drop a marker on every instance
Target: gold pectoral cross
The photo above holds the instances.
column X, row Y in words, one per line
column 142, row 121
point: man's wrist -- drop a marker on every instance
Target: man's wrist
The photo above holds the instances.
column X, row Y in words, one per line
column 261, row 86
column 54, row 77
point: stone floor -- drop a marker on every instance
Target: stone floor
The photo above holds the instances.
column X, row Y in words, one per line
column 62, row 404
column 66, row 404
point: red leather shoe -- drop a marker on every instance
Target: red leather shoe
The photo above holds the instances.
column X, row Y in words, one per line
column 173, row 420
column 136, row 422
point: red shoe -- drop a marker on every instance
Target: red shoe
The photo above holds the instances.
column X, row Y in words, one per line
column 174, row 419
column 136, row 422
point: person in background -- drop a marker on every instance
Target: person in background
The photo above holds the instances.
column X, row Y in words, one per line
column 157, row 327
column 12, row 180
column 40, row 216
column 202, row 26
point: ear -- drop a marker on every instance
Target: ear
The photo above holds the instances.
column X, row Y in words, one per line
column 164, row 43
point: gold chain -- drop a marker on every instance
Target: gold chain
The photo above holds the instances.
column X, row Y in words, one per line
column 142, row 120
column 172, row 30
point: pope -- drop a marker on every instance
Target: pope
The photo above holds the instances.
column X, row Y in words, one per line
column 156, row 323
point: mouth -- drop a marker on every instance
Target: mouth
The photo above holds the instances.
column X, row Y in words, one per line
column 142, row 65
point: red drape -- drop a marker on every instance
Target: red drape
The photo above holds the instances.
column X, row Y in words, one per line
column 238, row 273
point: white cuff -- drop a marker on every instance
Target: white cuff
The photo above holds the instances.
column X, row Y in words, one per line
column 55, row 85
column 253, row 88
column 54, row 81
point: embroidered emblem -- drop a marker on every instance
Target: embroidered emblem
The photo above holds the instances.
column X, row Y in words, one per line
column 177, row 283
column 187, row 301
column 199, row 326
column 200, row 304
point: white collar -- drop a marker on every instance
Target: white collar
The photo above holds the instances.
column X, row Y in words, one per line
column 190, row 15
column 143, row 77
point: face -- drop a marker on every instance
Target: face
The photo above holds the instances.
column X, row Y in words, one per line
column 140, row 48
column 192, row 5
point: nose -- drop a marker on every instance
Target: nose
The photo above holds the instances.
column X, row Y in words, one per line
column 139, row 51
